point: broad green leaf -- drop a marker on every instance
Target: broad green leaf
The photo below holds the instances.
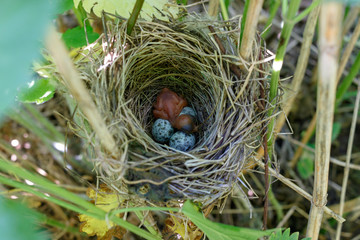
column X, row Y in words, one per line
column 278, row 235
column 22, row 25
column 216, row 231
column 76, row 37
column 64, row 5
column 18, row 222
column 60, row 6
column 38, row 91
column 124, row 8
column 305, row 166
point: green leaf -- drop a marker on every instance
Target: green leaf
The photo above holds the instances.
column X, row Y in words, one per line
column 183, row 2
column 60, row 6
column 38, row 91
column 278, row 235
column 216, row 231
column 76, row 37
column 294, row 236
column 64, row 5
column 227, row 3
column 18, row 222
column 22, row 25
column 305, row 166
column 124, row 8
column 335, row 131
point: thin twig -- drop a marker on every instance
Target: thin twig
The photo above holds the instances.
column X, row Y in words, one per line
column 306, row 147
column 329, row 44
column 348, row 50
column 265, row 146
column 235, row 69
column 350, row 19
column 78, row 90
column 300, row 191
column 348, row 158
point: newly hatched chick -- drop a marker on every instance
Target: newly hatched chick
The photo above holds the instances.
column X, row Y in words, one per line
column 169, row 106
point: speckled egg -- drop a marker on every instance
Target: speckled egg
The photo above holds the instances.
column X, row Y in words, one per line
column 182, row 141
column 189, row 111
column 162, row 130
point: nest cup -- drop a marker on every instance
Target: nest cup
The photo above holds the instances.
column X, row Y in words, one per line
column 124, row 78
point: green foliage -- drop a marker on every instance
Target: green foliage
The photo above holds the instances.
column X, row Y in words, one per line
column 215, row 231
column 22, row 25
column 62, row 6
column 278, row 235
column 336, row 130
column 76, row 37
column 124, row 8
column 183, row 2
column 18, row 222
column 347, row 81
column 227, row 3
column 305, row 166
column 37, row 91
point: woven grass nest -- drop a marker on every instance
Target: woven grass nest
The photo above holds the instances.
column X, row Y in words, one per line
column 126, row 73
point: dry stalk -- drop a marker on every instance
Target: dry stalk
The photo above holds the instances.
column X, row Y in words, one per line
column 329, row 43
column 300, row 191
column 349, row 206
column 78, row 90
column 348, row 50
column 310, row 149
column 252, row 18
column 300, row 67
column 213, row 9
column 350, row 19
column 308, row 134
column 348, row 158
column 343, row 62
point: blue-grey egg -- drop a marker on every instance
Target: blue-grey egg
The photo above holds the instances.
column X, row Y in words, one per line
column 182, row 141
column 162, row 130
column 189, row 111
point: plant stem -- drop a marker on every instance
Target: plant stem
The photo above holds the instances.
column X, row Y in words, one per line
column 305, row 12
column 300, row 69
column 300, row 191
column 348, row 158
column 329, row 44
column 348, row 50
column 243, row 20
column 250, row 27
column 77, row 88
column 134, row 15
column 76, row 204
column 278, row 62
column 275, row 76
column 58, row 136
column 274, row 6
column 224, row 11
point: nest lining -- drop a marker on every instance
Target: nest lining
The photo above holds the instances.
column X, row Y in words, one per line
column 126, row 77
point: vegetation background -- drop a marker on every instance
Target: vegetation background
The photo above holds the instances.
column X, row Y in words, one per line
column 315, row 58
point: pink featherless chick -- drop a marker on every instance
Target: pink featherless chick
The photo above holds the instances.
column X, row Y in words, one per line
column 168, row 106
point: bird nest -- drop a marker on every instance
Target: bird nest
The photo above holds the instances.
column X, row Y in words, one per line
column 199, row 60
